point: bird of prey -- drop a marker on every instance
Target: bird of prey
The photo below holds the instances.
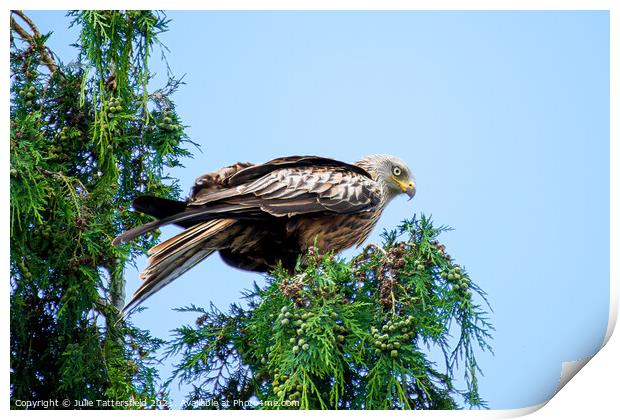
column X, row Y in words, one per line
column 260, row 216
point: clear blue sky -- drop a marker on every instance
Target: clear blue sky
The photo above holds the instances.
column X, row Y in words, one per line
column 503, row 117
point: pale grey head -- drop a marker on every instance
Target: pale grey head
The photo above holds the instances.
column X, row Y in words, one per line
column 393, row 174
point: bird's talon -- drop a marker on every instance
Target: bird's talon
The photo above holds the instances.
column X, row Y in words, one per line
column 300, row 277
column 377, row 247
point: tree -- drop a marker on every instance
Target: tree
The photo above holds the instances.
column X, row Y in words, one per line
column 344, row 334
column 85, row 138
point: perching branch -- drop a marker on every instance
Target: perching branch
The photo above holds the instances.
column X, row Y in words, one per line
column 346, row 334
column 46, row 57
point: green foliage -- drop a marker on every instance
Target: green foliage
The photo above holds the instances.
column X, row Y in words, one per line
column 85, row 138
column 345, row 334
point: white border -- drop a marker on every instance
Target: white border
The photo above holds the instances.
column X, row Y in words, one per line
column 319, row 4
column 594, row 392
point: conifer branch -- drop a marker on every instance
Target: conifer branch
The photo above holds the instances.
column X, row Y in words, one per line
column 346, row 334
column 33, row 39
column 74, row 145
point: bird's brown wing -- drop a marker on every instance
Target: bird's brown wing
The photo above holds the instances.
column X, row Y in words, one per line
column 283, row 192
column 215, row 181
column 253, row 172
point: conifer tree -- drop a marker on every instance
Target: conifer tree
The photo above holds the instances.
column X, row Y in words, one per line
column 344, row 334
column 85, row 138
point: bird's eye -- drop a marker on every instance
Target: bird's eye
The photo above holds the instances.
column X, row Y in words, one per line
column 397, row 171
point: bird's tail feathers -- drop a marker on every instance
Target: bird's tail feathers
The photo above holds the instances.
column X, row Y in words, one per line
column 174, row 257
column 186, row 218
column 163, row 209
column 158, row 207
column 137, row 231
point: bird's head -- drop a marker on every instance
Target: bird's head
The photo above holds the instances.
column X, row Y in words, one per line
column 391, row 172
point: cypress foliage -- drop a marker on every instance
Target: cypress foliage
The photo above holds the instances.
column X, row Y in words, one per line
column 344, row 334
column 85, row 138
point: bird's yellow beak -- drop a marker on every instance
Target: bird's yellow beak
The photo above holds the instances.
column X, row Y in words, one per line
column 408, row 187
